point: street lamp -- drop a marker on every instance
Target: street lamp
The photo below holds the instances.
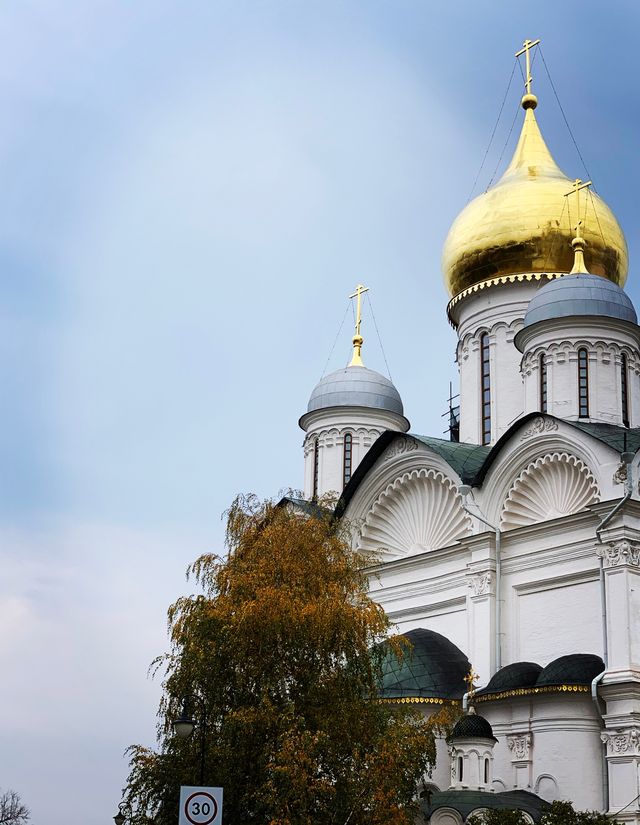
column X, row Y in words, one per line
column 185, row 724
column 124, row 813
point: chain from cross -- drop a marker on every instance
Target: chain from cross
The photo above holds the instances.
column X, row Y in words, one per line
column 528, row 45
column 360, row 290
column 578, row 185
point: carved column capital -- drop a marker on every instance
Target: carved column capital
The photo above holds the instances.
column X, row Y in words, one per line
column 616, row 553
column 480, row 584
column 520, row 746
column 622, row 741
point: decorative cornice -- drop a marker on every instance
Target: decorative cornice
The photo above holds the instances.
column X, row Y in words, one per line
column 622, row 742
column 520, row 746
column 616, row 553
column 532, row 691
column 539, row 426
column 500, row 281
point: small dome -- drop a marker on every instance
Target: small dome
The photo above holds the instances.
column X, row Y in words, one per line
column 575, row 669
column 520, row 225
column 580, row 295
column 472, row 726
column 356, row 386
column 434, row 668
column 515, row 675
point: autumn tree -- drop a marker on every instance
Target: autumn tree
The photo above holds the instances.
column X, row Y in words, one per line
column 558, row 813
column 12, row 809
column 284, row 649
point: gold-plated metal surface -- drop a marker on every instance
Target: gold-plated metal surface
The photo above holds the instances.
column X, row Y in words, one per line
column 521, row 225
column 578, row 243
column 358, row 340
column 528, row 45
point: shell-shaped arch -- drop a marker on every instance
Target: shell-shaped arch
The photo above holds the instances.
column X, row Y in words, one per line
column 553, row 485
column 420, row 511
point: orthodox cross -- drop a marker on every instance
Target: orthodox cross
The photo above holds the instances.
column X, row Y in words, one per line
column 528, row 45
column 360, row 290
column 470, row 679
column 577, row 186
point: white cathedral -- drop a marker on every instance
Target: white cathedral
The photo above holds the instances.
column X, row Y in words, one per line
column 514, row 547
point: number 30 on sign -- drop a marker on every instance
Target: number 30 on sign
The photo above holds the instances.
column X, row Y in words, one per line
column 200, row 806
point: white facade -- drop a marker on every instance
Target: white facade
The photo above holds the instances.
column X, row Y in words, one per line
column 520, row 543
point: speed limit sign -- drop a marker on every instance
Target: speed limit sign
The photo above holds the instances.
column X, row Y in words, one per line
column 200, row 806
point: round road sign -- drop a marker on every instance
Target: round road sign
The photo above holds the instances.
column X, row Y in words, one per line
column 200, row 808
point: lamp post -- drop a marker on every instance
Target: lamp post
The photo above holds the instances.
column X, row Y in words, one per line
column 185, row 724
column 124, row 813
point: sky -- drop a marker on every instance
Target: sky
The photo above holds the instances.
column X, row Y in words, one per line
column 190, row 191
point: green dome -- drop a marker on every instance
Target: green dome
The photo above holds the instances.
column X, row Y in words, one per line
column 433, row 669
column 575, row 669
column 472, row 726
column 515, row 675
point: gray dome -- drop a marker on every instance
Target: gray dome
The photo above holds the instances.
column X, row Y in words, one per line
column 356, row 387
column 581, row 294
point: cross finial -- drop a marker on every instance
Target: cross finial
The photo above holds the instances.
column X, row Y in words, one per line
column 529, row 101
column 578, row 243
column 358, row 340
column 470, row 679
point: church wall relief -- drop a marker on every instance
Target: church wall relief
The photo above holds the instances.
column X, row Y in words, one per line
column 420, row 511
column 554, row 485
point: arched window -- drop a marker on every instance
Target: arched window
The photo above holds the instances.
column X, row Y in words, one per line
column 460, row 768
column 347, row 459
column 486, row 771
column 624, row 390
column 316, row 463
column 543, row 384
column 485, row 383
column 583, row 383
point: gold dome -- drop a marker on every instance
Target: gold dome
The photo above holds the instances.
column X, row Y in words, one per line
column 521, row 225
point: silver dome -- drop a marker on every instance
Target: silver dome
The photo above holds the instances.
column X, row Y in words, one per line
column 581, row 294
column 355, row 387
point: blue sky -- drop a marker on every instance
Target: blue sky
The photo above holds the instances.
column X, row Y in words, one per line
column 189, row 193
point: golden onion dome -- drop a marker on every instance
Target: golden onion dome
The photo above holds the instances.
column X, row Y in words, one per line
column 521, row 225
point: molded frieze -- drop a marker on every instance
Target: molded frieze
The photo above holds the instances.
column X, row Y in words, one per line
column 520, row 746
column 399, row 447
column 552, row 486
column 539, row 426
column 420, row 511
column 622, row 742
column 615, row 553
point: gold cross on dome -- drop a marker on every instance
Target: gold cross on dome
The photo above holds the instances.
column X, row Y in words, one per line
column 577, row 186
column 360, row 290
column 470, row 679
column 528, row 45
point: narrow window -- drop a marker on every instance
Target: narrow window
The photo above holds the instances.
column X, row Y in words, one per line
column 624, row 390
column 316, row 462
column 346, row 463
column 583, row 384
column 486, row 771
column 460, row 766
column 543, row 384
column 485, row 381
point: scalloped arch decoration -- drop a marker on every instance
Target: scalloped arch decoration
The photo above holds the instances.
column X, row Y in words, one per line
column 554, row 485
column 420, row 511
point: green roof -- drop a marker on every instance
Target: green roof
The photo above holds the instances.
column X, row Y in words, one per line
column 465, row 459
column 611, row 435
column 433, row 668
column 467, row 801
